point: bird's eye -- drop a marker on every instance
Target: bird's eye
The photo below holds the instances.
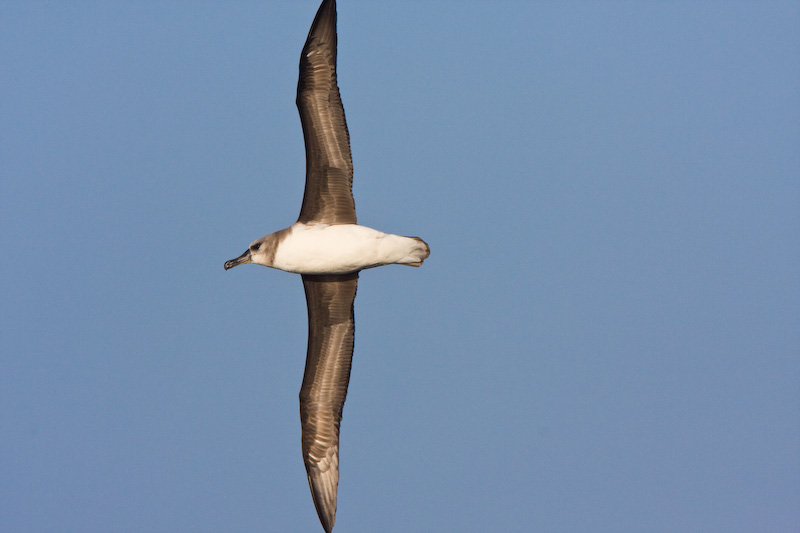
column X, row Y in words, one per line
column 255, row 247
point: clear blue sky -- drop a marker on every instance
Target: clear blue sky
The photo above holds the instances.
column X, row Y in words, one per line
column 606, row 337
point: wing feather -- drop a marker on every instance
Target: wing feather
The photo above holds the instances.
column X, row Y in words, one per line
column 331, row 330
column 328, row 196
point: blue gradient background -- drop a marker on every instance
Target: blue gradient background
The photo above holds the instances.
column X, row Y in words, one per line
column 606, row 337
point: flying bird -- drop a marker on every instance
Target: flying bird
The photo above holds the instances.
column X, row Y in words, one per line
column 328, row 248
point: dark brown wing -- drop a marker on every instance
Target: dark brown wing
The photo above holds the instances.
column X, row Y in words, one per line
column 331, row 329
column 328, row 196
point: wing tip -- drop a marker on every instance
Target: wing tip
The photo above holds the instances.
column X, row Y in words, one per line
column 325, row 503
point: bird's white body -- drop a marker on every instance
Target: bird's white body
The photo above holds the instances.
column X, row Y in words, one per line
column 343, row 248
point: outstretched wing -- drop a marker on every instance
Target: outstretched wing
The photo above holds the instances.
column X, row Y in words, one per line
column 328, row 196
column 331, row 329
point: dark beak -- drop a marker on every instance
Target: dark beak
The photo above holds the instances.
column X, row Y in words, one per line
column 242, row 259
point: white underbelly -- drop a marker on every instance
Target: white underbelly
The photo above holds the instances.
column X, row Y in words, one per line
column 322, row 249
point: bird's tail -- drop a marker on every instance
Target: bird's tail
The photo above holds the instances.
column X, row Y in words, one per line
column 418, row 252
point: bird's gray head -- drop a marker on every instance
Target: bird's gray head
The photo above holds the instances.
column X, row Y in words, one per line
column 261, row 252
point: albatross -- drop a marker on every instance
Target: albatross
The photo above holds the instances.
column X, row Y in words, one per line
column 328, row 248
